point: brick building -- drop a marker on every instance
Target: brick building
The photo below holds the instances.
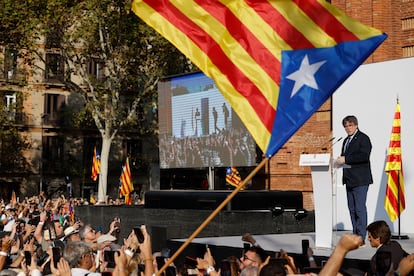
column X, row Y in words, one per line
column 394, row 17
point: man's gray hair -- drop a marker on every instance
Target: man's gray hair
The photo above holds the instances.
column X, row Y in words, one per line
column 74, row 251
column 82, row 231
column 250, row 271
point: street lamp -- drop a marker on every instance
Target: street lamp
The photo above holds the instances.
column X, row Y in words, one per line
column 42, row 118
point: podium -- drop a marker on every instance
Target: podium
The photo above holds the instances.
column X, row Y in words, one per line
column 322, row 195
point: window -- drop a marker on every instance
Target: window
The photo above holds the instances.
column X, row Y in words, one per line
column 10, row 106
column 53, row 105
column 52, row 152
column 95, row 68
column 53, row 40
column 10, row 64
column 54, row 67
column 134, row 152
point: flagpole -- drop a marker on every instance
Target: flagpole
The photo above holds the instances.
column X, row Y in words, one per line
column 212, row 215
column 399, row 236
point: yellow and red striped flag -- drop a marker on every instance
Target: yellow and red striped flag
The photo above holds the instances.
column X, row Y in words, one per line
column 125, row 183
column 96, row 164
column 233, row 177
column 275, row 61
column 394, row 194
column 13, row 199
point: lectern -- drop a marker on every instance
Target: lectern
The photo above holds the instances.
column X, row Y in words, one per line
column 320, row 165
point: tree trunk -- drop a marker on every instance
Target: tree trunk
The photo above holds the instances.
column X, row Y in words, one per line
column 103, row 177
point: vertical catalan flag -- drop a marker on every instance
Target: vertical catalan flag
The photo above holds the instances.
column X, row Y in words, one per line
column 394, row 194
column 96, row 164
column 125, row 183
column 276, row 62
column 233, row 177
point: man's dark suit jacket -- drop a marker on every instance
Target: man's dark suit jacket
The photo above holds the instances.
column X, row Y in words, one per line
column 357, row 156
column 397, row 253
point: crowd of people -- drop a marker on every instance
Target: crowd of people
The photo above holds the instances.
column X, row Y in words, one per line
column 229, row 146
column 42, row 236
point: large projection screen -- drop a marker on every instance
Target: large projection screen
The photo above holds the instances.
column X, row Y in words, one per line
column 198, row 128
column 370, row 94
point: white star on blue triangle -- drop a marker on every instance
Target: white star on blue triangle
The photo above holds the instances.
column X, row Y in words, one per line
column 305, row 75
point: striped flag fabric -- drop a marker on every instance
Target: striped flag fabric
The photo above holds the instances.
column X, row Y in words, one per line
column 13, row 198
column 233, row 177
column 275, row 61
column 96, row 164
column 71, row 212
column 394, row 193
column 125, row 183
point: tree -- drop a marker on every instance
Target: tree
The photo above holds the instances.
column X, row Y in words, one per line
column 12, row 143
column 107, row 36
column 112, row 59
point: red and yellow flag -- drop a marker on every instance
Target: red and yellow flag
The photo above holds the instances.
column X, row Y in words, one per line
column 13, row 199
column 275, row 61
column 96, row 164
column 125, row 183
column 394, row 194
column 233, row 177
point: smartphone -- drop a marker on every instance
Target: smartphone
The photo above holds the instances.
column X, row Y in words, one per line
column 192, row 262
column 160, row 261
column 28, row 258
column 106, row 273
column 56, row 255
column 109, row 257
column 138, row 233
column 305, row 246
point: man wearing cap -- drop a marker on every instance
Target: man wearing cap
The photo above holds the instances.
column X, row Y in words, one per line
column 71, row 234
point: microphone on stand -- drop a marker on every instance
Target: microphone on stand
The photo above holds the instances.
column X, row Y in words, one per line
column 325, row 144
column 333, row 144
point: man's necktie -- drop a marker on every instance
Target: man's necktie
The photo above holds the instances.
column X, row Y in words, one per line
column 347, row 143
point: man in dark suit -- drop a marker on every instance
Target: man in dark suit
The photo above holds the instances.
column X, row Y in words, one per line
column 356, row 150
column 388, row 253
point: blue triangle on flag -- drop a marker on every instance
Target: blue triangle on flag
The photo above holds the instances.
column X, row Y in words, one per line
column 308, row 78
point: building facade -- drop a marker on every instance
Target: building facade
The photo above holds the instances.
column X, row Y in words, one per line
column 57, row 152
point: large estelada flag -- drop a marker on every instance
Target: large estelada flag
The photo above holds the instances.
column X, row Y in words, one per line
column 394, row 193
column 96, row 164
column 275, row 61
column 125, row 183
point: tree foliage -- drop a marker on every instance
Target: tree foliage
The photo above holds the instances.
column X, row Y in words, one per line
column 112, row 59
column 12, row 143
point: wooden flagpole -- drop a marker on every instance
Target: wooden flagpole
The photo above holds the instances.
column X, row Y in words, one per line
column 212, row 216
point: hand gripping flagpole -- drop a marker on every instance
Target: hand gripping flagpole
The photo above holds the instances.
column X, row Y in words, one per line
column 212, row 215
